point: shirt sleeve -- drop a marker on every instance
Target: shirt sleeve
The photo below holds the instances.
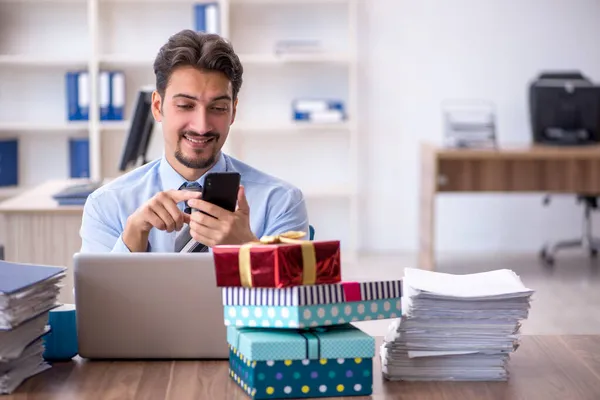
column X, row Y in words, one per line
column 100, row 234
column 288, row 214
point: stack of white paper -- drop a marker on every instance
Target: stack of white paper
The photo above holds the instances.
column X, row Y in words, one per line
column 455, row 327
column 27, row 294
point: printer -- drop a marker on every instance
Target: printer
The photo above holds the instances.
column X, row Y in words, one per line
column 564, row 109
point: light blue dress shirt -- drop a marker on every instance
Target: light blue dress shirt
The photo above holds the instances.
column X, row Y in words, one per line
column 275, row 205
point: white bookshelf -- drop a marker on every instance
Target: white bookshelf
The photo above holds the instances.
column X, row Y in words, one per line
column 37, row 50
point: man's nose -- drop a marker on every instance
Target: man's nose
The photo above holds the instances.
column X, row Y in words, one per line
column 200, row 122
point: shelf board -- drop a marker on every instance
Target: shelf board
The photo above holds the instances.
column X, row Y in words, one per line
column 29, row 60
column 44, row 127
column 82, row 2
column 155, row 1
column 114, row 125
column 256, row 59
column 127, row 60
column 292, row 128
column 274, row 59
column 285, row 2
column 10, row 191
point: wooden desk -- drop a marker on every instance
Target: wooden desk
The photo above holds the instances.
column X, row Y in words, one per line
column 525, row 169
column 544, row 367
column 35, row 229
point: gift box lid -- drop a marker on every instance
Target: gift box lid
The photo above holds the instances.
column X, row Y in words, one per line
column 308, row 295
column 341, row 341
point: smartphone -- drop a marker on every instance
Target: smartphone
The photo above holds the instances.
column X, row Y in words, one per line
column 221, row 189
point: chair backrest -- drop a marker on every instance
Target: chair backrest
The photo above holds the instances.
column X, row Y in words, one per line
column 311, row 232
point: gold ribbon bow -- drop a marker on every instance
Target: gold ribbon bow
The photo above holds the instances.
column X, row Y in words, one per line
column 309, row 258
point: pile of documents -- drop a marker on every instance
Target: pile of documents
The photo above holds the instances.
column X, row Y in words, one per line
column 455, row 327
column 27, row 294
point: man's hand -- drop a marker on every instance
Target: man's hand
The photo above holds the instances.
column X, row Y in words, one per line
column 160, row 212
column 221, row 226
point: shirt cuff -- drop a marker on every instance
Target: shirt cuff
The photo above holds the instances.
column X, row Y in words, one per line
column 120, row 246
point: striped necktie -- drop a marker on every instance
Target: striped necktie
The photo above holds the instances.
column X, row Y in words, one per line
column 194, row 186
column 184, row 243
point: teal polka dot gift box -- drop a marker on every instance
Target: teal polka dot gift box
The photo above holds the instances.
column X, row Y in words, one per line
column 295, row 363
column 311, row 306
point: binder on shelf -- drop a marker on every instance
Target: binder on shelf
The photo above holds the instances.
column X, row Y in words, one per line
column 9, row 162
column 314, row 105
column 79, row 157
column 318, row 110
column 117, row 96
column 104, row 91
column 207, row 17
column 78, row 95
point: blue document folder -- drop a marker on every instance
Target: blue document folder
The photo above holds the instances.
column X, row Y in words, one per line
column 17, row 277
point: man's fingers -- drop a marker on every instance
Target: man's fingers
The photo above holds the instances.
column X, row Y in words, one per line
column 175, row 213
column 182, row 195
column 208, row 208
column 155, row 220
column 242, row 203
column 205, row 220
column 202, row 234
column 161, row 210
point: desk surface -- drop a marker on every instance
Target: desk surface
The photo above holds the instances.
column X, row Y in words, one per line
column 544, row 367
column 530, row 152
column 39, row 199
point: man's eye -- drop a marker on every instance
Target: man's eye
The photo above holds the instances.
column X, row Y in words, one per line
column 220, row 109
column 185, row 106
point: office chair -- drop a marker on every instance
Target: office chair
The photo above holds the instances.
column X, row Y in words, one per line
column 311, row 232
column 587, row 241
column 1, row 252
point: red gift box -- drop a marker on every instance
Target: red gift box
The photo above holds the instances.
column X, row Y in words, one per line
column 284, row 263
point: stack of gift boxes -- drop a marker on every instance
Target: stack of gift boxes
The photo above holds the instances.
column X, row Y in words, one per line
column 288, row 315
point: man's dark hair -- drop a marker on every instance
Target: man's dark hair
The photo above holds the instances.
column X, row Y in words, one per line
column 204, row 51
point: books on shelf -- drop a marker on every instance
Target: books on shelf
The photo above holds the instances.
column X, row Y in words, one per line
column 455, row 327
column 206, row 17
column 9, row 162
column 318, row 110
column 27, row 294
column 79, row 156
column 111, row 90
column 78, row 95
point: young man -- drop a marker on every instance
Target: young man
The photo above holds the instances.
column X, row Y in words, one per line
column 198, row 78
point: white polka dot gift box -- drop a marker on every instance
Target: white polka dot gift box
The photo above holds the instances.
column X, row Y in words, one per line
column 322, row 362
column 310, row 306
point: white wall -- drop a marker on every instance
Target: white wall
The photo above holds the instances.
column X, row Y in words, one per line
column 415, row 54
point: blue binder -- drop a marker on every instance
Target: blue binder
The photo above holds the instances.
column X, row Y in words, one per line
column 78, row 95
column 9, row 162
column 104, row 91
column 207, row 17
column 117, row 96
column 17, row 277
column 79, row 157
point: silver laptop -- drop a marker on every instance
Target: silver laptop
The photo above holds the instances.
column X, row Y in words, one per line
column 149, row 306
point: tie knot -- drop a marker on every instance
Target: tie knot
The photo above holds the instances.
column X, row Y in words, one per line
column 196, row 187
column 190, row 185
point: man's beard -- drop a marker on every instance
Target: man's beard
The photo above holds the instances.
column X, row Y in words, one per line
column 199, row 162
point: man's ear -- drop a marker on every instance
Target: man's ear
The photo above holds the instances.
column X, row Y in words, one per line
column 235, row 102
column 157, row 106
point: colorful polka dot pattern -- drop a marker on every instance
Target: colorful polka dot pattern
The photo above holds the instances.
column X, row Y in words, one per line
column 302, row 378
column 311, row 316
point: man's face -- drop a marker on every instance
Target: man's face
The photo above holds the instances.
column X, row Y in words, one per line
column 196, row 112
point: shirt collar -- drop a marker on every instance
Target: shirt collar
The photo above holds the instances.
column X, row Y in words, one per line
column 171, row 179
